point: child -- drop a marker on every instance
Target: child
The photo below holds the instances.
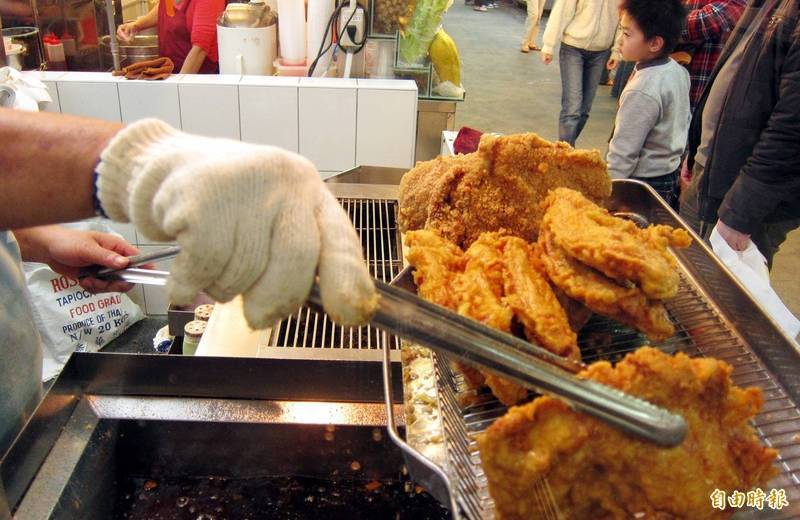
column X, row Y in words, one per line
column 652, row 123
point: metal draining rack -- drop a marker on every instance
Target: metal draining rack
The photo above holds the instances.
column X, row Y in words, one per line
column 700, row 332
column 375, row 221
column 714, row 316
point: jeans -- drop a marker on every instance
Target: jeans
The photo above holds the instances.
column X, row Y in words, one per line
column 768, row 237
column 665, row 185
column 580, row 75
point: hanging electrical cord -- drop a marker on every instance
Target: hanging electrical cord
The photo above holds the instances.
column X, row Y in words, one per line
column 332, row 26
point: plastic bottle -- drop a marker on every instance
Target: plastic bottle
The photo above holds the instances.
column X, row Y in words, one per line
column 192, row 333
column 54, row 52
column 70, row 49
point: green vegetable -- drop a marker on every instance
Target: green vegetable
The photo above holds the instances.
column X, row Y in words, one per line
column 417, row 37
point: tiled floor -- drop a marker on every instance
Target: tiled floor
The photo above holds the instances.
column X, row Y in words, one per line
column 508, row 91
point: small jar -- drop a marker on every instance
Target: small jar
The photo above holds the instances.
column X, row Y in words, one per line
column 192, row 332
column 203, row 312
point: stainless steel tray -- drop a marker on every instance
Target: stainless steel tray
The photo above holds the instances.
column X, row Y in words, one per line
column 713, row 315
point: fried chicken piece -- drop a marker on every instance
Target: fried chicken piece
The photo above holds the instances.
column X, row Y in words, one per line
column 627, row 305
column 616, row 247
column 497, row 278
column 480, row 285
column 480, row 290
column 578, row 314
column 533, row 301
column 594, row 471
column 500, row 186
column 418, row 185
column 506, row 391
column 436, row 262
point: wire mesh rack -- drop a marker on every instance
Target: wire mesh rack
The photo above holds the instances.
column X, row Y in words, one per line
column 713, row 317
column 700, row 331
column 376, row 224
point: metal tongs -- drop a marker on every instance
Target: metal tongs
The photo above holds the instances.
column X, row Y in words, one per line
column 402, row 313
column 133, row 273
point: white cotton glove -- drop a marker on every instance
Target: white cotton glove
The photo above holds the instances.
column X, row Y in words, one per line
column 251, row 220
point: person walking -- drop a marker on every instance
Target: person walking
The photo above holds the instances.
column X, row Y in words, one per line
column 585, row 29
column 535, row 9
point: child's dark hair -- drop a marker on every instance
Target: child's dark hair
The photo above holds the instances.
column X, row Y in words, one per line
column 663, row 18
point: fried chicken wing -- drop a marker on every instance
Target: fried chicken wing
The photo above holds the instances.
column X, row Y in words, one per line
column 480, row 291
column 594, row 471
column 436, row 262
column 498, row 278
column 533, row 301
column 614, row 246
column 480, row 285
column 628, row 305
column 500, row 186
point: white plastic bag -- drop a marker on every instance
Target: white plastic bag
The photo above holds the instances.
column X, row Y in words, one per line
column 70, row 319
column 30, row 93
column 750, row 267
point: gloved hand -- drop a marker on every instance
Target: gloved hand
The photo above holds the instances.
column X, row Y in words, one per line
column 251, row 220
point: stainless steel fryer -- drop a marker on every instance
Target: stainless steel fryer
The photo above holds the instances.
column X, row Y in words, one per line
column 733, row 328
column 311, row 409
column 714, row 316
column 118, row 432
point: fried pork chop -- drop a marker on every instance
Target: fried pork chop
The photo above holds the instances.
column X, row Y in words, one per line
column 500, row 186
column 614, row 246
column 609, row 264
column 594, row 471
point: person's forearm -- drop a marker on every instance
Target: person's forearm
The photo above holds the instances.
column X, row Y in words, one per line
column 194, row 60
column 149, row 20
column 33, row 243
column 46, row 166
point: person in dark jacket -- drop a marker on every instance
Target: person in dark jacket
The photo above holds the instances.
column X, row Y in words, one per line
column 744, row 140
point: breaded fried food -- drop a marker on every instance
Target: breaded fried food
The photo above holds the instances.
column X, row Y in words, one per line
column 498, row 278
column 506, row 391
column 436, row 262
column 627, row 305
column 417, row 187
column 480, row 291
column 480, row 285
column 500, row 186
column 578, row 314
column 594, row 471
column 616, row 247
column 530, row 296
